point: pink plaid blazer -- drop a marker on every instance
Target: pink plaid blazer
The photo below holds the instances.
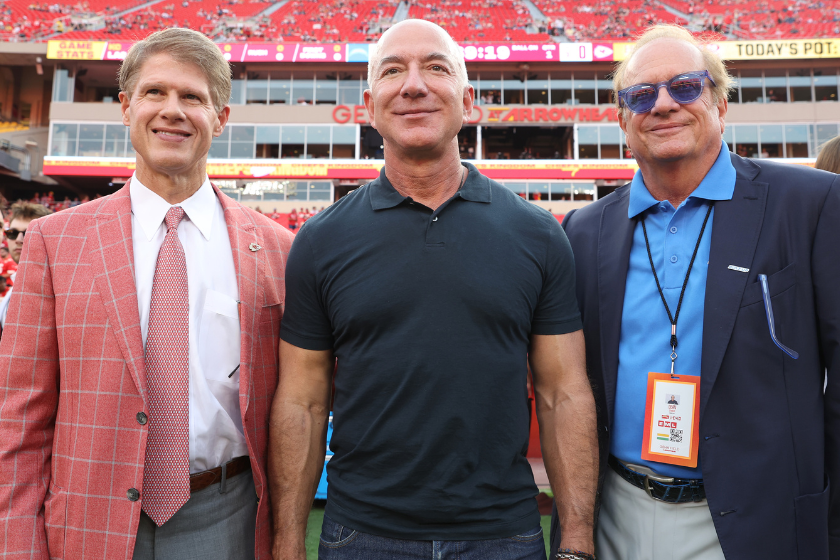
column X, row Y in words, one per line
column 72, row 379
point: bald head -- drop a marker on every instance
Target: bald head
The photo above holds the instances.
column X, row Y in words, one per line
column 398, row 34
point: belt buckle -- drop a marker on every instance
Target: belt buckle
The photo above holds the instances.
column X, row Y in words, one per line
column 655, row 478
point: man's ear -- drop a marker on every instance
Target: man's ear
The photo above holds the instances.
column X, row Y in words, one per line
column 223, row 119
column 124, row 102
column 723, row 107
column 469, row 101
column 369, row 106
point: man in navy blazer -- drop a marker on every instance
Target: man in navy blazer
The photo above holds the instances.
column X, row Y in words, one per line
column 746, row 255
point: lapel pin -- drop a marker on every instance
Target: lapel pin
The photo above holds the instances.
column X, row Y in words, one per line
column 254, row 247
column 738, row 268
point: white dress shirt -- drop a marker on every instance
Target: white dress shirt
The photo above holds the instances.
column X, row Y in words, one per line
column 216, row 434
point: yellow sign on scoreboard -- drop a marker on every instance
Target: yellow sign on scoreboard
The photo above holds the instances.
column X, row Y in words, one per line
column 76, row 50
column 759, row 50
column 771, row 50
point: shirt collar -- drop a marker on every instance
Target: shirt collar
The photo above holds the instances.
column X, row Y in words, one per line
column 150, row 209
column 383, row 195
column 718, row 184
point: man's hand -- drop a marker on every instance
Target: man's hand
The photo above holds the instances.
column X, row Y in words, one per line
column 297, row 443
column 568, row 433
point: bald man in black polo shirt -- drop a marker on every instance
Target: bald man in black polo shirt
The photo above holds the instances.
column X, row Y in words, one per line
column 433, row 286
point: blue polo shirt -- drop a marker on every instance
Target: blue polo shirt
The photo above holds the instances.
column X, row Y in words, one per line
column 644, row 344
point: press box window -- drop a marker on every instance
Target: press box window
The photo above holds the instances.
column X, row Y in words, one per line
column 268, row 142
column 344, row 142
column 242, row 142
column 64, row 139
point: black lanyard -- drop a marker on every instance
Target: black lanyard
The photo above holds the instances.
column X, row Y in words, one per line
column 674, row 318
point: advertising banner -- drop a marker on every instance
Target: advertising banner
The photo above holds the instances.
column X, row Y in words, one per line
column 368, row 169
column 76, row 50
column 760, row 50
column 473, row 52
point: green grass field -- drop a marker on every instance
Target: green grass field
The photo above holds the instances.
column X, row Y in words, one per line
column 316, row 516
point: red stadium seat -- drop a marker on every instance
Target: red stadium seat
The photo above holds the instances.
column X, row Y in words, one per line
column 363, row 20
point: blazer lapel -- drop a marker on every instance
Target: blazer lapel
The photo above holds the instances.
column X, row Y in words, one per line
column 247, row 245
column 735, row 231
column 112, row 259
column 614, row 243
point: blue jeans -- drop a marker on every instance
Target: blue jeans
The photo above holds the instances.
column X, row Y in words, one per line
column 342, row 543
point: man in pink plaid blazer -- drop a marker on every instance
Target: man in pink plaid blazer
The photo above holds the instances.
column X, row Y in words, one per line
column 78, row 395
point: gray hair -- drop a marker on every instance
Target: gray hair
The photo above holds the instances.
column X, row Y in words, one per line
column 714, row 64
column 452, row 49
column 186, row 47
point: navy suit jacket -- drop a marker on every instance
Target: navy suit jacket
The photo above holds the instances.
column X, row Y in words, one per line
column 769, row 435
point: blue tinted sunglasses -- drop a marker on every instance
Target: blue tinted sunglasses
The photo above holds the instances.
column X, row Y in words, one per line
column 683, row 88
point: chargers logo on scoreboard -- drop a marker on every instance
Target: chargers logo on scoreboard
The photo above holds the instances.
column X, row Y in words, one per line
column 358, row 52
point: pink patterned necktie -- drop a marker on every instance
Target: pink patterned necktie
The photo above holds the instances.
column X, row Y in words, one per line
column 166, row 476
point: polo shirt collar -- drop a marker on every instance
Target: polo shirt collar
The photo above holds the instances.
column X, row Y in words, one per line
column 477, row 186
column 383, row 195
column 718, row 184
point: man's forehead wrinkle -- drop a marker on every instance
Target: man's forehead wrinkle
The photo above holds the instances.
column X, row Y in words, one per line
column 435, row 55
column 644, row 61
column 391, row 58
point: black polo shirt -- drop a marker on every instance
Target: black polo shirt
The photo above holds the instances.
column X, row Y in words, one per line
column 430, row 316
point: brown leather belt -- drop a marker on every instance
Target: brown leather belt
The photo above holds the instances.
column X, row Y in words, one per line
column 201, row 480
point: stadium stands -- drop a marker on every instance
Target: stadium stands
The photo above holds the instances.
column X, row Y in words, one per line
column 364, row 20
column 11, row 126
column 331, row 20
column 603, row 19
column 765, row 19
column 480, row 20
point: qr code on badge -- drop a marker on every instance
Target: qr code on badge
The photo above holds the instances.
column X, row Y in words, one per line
column 676, row 436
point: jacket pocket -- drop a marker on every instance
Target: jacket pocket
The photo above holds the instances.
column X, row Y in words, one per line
column 812, row 525
column 777, row 282
column 55, row 520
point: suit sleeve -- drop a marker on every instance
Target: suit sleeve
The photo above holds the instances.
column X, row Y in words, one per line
column 826, row 277
column 29, row 380
column 567, row 218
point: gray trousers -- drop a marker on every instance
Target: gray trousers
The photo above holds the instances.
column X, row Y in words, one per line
column 212, row 525
column 634, row 526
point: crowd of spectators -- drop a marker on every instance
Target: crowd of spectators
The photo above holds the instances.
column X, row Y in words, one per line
column 291, row 220
column 331, row 20
column 364, row 20
column 48, row 200
column 602, row 19
column 468, row 20
column 764, row 19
